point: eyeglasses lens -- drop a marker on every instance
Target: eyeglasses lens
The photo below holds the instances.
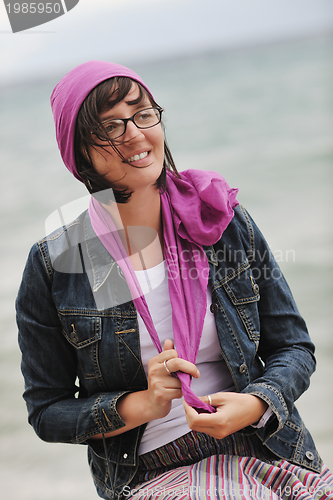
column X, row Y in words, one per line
column 144, row 118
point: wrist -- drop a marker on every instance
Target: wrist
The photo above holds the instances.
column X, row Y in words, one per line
column 263, row 419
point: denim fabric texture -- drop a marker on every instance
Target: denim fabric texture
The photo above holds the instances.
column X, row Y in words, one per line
column 79, row 338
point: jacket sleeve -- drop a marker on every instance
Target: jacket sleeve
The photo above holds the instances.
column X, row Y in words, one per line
column 285, row 348
column 49, row 366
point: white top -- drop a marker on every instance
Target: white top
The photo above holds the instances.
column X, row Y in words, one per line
column 214, row 374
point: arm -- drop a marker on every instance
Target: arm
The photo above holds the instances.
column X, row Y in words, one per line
column 285, row 349
column 49, row 366
column 234, row 411
column 140, row 407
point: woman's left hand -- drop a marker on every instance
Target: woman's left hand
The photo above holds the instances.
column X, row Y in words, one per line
column 234, row 411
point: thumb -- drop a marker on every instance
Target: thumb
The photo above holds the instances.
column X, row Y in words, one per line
column 168, row 344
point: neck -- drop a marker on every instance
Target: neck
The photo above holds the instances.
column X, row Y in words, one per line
column 140, row 228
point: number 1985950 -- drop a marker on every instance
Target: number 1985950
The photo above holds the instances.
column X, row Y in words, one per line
column 34, row 8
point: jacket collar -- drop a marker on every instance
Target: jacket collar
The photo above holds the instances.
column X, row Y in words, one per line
column 102, row 262
column 211, row 255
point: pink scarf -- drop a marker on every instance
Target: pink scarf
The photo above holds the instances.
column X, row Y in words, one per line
column 196, row 209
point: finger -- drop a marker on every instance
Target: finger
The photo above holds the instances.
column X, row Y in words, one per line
column 216, row 399
column 168, row 344
column 172, row 383
column 208, row 399
column 182, row 365
column 166, row 367
column 207, row 420
column 166, row 355
column 195, row 423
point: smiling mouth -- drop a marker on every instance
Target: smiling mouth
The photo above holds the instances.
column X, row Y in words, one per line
column 138, row 157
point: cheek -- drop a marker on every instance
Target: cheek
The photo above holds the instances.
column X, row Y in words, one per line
column 103, row 160
column 159, row 140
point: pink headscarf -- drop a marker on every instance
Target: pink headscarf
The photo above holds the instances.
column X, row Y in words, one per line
column 68, row 96
column 196, row 209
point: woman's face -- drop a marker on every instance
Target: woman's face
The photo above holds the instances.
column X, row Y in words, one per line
column 149, row 143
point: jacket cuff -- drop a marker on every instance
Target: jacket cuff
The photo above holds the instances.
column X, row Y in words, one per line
column 275, row 402
column 105, row 413
column 101, row 419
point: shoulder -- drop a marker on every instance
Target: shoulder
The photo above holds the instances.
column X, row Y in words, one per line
column 62, row 233
column 243, row 232
column 61, row 242
column 241, row 225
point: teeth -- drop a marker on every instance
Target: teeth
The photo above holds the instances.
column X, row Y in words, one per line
column 138, row 157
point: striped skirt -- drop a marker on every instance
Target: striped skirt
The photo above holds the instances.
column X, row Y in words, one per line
column 198, row 467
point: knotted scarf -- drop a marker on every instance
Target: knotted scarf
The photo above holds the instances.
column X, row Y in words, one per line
column 196, row 209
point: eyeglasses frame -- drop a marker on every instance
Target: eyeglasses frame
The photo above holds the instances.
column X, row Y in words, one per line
column 131, row 119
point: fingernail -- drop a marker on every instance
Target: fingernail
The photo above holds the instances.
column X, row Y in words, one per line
column 197, row 374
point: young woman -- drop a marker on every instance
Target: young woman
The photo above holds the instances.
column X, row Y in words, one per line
column 157, row 327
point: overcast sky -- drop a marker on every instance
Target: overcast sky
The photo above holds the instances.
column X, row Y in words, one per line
column 137, row 30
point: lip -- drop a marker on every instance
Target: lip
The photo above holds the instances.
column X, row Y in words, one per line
column 142, row 161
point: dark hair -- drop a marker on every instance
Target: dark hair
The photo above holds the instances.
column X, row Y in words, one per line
column 102, row 98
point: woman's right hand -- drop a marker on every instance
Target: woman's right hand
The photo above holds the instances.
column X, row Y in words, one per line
column 162, row 386
column 137, row 408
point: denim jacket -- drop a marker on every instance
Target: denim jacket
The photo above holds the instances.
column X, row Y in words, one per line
column 78, row 333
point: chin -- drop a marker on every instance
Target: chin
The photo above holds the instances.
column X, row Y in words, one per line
column 145, row 182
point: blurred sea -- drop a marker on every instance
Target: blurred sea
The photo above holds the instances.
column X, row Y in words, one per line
column 263, row 118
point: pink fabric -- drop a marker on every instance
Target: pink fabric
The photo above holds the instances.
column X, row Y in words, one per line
column 69, row 94
column 196, row 210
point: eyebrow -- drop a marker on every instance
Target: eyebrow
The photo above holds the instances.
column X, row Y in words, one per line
column 140, row 104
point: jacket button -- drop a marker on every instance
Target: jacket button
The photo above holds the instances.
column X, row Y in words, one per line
column 255, row 288
column 74, row 337
column 243, row 368
column 214, row 308
column 309, row 455
column 125, row 455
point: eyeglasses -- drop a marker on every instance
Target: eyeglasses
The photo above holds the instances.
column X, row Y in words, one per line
column 145, row 118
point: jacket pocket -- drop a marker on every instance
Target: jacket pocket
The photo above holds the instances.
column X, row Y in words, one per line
column 243, row 292
column 83, row 330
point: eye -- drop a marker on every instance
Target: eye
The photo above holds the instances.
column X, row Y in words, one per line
column 146, row 115
column 112, row 125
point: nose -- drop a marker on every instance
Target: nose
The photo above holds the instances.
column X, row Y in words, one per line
column 132, row 132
